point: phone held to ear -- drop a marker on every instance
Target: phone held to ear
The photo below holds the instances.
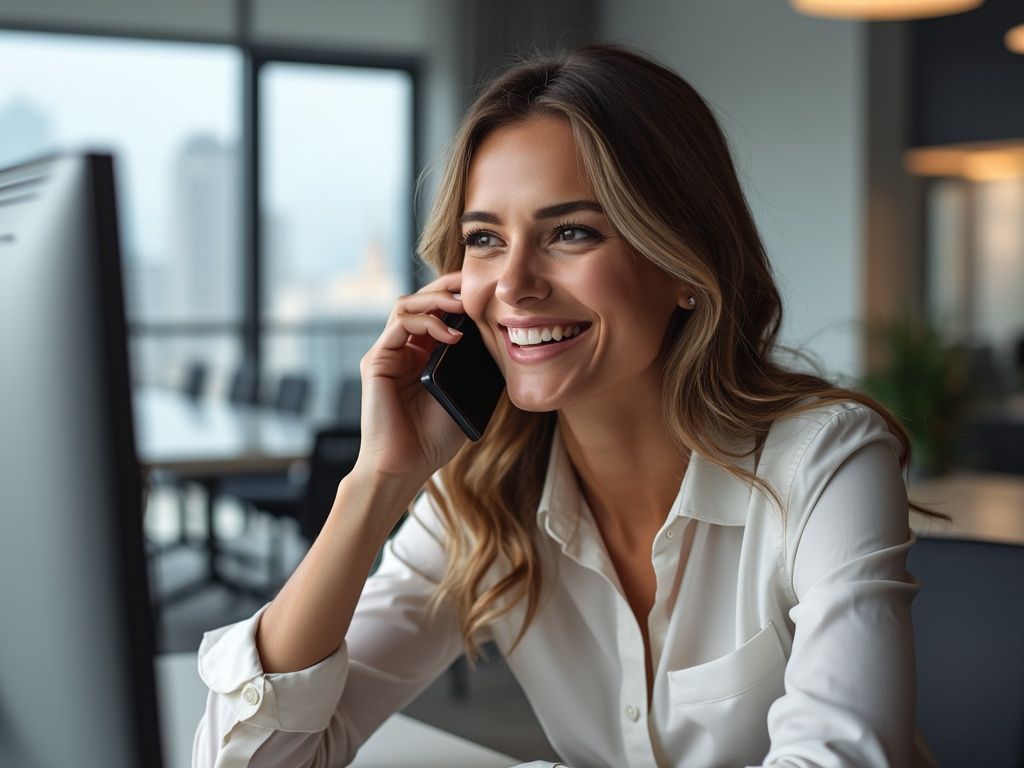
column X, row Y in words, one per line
column 464, row 378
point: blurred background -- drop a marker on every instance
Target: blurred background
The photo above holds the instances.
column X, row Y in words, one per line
column 276, row 161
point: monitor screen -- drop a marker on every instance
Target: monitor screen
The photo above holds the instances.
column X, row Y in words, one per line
column 76, row 641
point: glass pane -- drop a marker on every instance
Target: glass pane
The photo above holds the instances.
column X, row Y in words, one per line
column 169, row 360
column 171, row 114
column 336, row 196
column 329, row 357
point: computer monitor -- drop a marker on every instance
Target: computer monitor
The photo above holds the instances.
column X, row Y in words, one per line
column 76, row 639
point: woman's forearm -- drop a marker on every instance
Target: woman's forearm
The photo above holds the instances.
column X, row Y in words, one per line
column 310, row 616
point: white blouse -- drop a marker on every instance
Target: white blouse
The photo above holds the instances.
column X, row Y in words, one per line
column 776, row 642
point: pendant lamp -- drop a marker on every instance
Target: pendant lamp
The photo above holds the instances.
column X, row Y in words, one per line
column 883, row 10
column 1015, row 39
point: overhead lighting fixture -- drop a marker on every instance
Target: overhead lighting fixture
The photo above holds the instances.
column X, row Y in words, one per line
column 1015, row 39
column 883, row 10
column 983, row 161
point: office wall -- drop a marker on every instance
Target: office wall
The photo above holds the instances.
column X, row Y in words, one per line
column 195, row 18
column 788, row 90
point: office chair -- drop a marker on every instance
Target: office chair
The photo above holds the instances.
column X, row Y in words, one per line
column 306, row 500
column 969, row 636
column 291, row 397
column 292, row 394
column 194, row 380
column 244, row 387
column 348, row 404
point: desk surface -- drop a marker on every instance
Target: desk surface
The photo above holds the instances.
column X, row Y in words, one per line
column 401, row 741
column 984, row 506
column 213, row 436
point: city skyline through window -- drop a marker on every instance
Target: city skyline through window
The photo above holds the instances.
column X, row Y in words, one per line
column 335, row 196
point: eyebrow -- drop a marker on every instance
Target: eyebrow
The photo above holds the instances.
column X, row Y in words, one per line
column 548, row 212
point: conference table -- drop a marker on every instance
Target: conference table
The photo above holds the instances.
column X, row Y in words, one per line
column 205, row 440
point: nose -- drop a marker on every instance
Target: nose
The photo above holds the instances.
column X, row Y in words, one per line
column 521, row 281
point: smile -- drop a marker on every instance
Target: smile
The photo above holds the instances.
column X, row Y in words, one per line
column 540, row 343
column 528, row 337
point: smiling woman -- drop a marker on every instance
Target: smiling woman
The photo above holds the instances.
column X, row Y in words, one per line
column 687, row 553
column 542, row 257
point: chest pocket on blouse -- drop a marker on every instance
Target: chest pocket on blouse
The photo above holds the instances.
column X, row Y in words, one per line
column 730, row 675
column 718, row 711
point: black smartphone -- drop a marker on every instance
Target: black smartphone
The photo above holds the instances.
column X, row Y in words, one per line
column 464, row 378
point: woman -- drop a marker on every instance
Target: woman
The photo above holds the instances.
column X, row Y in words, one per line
column 687, row 553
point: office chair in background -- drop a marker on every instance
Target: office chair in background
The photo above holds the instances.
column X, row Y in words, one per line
column 306, row 500
column 969, row 637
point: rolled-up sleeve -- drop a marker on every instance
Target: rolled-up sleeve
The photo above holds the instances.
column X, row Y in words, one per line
column 850, row 683
column 321, row 715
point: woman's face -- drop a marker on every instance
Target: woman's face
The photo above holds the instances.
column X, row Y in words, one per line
column 564, row 305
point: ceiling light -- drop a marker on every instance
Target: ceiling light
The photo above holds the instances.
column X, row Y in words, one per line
column 1015, row 39
column 983, row 161
column 883, row 10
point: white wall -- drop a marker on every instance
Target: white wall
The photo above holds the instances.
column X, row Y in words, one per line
column 788, row 91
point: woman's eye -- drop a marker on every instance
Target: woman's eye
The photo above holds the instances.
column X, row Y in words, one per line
column 573, row 234
column 480, row 240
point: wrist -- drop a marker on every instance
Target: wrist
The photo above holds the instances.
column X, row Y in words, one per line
column 385, row 487
column 384, row 498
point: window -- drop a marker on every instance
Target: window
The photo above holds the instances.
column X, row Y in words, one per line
column 336, row 212
column 335, row 196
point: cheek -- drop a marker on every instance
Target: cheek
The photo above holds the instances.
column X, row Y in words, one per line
column 476, row 291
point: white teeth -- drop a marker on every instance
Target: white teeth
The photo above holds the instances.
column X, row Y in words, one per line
column 530, row 336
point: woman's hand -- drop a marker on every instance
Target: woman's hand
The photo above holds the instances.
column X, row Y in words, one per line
column 406, row 434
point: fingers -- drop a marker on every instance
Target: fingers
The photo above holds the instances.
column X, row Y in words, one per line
column 450, row 281
column 418, row 315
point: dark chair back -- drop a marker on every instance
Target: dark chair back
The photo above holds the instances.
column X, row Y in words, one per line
column 244, row 389
column 292, row 394
column 349, row 403
column 334, row 454
column 969, row 636
column 193, row 384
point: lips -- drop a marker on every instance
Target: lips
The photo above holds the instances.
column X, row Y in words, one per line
column 543, row 334
column 526, row 343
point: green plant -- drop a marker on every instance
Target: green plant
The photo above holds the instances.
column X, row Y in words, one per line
column 922, row 378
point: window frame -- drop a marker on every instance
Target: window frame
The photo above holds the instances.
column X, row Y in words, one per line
column 255, row 55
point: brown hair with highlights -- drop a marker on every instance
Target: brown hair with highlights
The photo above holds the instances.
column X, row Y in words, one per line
column 661, row 169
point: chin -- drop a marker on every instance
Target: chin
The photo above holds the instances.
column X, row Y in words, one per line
column 532, row 400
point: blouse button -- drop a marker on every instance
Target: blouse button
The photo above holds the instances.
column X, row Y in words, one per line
column 670, row 533
column 632, row 713
column 251, row 695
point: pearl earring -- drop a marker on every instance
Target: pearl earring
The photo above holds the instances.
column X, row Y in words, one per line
column 693, row 301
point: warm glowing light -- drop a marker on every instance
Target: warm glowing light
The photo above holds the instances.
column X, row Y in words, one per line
column 978, row 162
column 1015, row 39
column 883, row 10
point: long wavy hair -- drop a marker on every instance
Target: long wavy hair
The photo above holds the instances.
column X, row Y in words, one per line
column 660, row 167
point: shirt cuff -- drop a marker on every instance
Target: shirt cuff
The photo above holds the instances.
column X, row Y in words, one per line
column 301, row 701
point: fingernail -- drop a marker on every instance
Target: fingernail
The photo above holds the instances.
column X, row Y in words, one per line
column 453, row 332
